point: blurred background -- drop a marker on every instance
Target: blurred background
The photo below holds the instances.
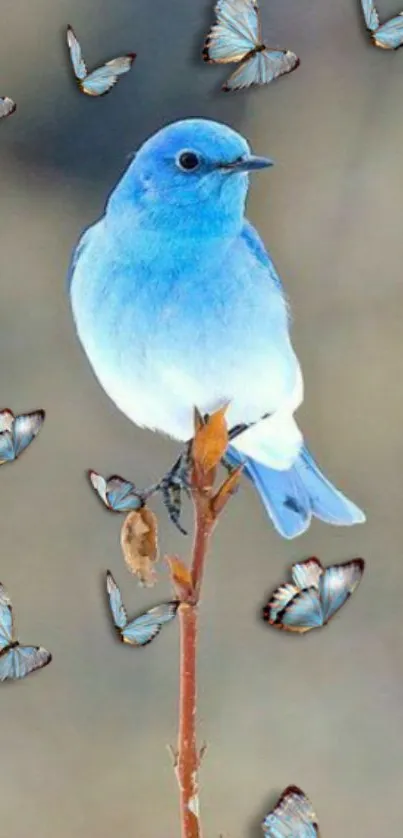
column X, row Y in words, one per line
column 83, row 742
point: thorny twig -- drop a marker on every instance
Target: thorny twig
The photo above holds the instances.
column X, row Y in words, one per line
column 208, row 449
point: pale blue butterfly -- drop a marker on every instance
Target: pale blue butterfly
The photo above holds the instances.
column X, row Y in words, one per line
column 16, row 661
column 143, row 629
column 7, row 106
column 236, row 37
column 17, row 432
column 387, row 36
column 101, row 80
column 314, row 596
column 117, row 494
column 292, row 817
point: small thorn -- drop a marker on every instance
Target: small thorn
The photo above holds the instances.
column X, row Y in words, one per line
column 202, row 751
column 173, row 754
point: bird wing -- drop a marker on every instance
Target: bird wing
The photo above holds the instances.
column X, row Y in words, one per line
column 81, row 245
column 254, row 243
column 275, row 441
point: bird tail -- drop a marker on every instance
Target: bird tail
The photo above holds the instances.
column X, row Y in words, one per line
column 292, row 497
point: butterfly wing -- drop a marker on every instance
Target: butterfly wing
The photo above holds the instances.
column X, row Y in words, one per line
column 307, row 574
column 6, row 420
column 292, row 817
column 143, row 629
column 7, row 106
column 337, row 584
column 117, row 494
column 6, row 447
column 118, row 610
column 262, row 68
column 371, row 16
column 121, row 495
column 302, row 613
column 78, row 63
column 20, row 661
column 6, row 619
column 25, row 428
column 278, row 601
column 99, row 484
column 6, row 436
column 390, row 35
column 102, row 80
column 235, row 33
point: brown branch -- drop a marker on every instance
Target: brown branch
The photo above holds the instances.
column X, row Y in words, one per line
column 188, row 758
column 204, row 524
column 208, row 447
column 188, row 754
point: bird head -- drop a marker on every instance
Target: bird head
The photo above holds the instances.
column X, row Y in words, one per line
column 190, row 173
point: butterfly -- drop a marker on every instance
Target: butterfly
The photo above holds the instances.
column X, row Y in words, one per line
column 101, row 80
column 236, row 37
column 7, row 106
column 314, row 596
column 292, row 817
column 16, row 661
column 387, row 36
column 117, row 494
column 143, row 629
column 17, row 432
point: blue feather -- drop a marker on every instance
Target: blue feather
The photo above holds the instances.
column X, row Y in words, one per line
column 292, row 497
column 177, row 304
column 256, row 246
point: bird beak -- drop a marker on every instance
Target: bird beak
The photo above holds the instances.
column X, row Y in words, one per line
column 247, row 164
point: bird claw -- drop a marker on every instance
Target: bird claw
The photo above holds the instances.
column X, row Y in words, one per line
column 227, row 464
column 175, row 482
column 172, row 500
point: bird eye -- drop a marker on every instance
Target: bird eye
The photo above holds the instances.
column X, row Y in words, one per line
column 188, row 161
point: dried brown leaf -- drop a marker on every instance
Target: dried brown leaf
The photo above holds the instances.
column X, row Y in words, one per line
column 181, row 578
column 227, row 488
column 139, row 542
column 179, row 572
column 198, row 421
column 210, row 441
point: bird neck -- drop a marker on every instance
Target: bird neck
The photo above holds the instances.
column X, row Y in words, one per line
column 163, row 215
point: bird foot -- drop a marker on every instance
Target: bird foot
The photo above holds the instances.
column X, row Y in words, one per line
column 177, row 479
column 172, row 486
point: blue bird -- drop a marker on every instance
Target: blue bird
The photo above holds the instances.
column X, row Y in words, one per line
column 177, row 304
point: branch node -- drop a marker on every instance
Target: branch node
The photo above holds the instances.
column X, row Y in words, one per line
column 173, row 754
